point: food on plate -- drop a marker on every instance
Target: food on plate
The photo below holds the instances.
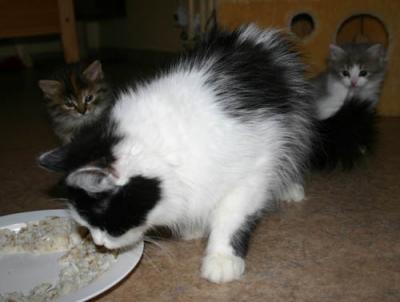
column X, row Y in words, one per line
column 81, row 262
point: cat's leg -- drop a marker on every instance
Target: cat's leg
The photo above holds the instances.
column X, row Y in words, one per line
column 230, row 227
column 331, row 103
column 294, row 192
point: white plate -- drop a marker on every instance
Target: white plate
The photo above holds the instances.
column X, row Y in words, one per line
column 23, row 272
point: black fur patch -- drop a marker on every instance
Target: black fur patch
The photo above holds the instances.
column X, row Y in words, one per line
column 240, row 240
column 92, row 143
column 346, row 137
column 249, row 75
column 117, row 211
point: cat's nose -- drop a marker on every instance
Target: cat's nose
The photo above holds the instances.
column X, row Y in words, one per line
column 353, row 82
column 82, row 110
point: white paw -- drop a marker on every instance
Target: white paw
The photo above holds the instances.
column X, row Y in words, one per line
column 220, row 268
column 295, row 193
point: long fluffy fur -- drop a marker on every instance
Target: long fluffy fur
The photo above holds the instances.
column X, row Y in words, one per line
column 345, row 138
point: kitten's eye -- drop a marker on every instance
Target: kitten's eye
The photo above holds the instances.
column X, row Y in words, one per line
column 88, row 98
column 345, row 73
column 363, row 73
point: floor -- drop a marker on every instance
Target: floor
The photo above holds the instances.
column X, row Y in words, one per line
column 341, row 244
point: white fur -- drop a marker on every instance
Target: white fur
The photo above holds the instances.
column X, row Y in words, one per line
column 370, row 91
column 205, row 141
column 330, row 103
column 267, row 38
column 91, row 179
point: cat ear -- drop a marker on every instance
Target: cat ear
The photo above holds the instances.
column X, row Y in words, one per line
column 376, row 51
column 50, row 87
column 53, row 160
column 336, row 52
column 94, row 72
column 92, row 180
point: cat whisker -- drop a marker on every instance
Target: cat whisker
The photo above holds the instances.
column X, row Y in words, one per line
column 151, row 262
column 163, row 248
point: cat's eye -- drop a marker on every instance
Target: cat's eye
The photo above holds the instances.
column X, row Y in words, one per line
column 345, row 73
column 363, row 73
column 88, row 98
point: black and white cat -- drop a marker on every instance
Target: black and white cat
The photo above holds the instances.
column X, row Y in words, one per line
column 203, row 148
column 355, row 71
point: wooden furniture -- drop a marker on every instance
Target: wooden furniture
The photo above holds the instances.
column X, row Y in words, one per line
column 328, row 17
column 24, row 18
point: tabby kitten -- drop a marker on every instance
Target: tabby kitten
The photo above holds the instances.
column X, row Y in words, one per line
column 76, row 96
column 355, row 70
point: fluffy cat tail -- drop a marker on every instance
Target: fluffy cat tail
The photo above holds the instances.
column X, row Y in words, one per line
column 345, row 138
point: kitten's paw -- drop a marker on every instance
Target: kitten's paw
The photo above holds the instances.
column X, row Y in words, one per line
column 294, row 193
column 220, row 268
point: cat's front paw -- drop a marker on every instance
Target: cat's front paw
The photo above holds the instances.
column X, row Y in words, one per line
column 220, row 268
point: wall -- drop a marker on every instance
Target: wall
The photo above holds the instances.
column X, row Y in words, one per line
column 32, row 46
column 149, row 25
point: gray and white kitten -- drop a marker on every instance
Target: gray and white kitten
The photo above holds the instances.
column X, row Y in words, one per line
column 77, row 95
column 355, row 70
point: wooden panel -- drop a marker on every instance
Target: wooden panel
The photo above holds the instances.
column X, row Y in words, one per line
column 21, row 18
column 349, row 30
column 302, row 26
column 68, row 31
column 362, row 28
column 376, row 32
column 328, row 16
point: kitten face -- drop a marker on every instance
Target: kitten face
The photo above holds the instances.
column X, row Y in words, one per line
column 115, row 215
column 80, row 103
column 357, row 64
column 354, row 76
column 75, row 92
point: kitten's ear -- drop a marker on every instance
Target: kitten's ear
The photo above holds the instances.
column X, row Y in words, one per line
column 92, row 180
column 54, row 160
column 376, row 51
column 50, row 87
column 336, row 52
column 94, row 72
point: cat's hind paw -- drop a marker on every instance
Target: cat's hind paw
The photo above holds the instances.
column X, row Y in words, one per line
column 221, row 268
